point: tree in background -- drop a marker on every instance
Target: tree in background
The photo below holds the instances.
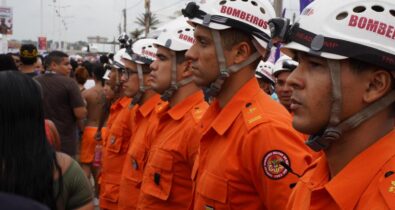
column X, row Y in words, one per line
column 149, row 18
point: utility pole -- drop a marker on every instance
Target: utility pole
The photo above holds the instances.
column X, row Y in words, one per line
column 147, row 16
column 278, row 7
column 41, row 18
column 124, row 20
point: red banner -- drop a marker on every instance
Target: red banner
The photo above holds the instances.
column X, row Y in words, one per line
column 42, row 43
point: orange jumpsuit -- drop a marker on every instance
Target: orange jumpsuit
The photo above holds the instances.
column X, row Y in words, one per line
column 240, row 154
column 137, row 154
column 167, row 180
column 114, row 153
column 367, row 182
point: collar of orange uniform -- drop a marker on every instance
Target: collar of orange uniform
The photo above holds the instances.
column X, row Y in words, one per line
column 149, row 105
column 348, row 185
column 231, row 110
column 120, row 103
column 180, row 109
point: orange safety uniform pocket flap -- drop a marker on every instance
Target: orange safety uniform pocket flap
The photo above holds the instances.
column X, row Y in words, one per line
column 213, row 188
column 110, row 192
column 114, row 143
column 158, row 176
column 137, row 161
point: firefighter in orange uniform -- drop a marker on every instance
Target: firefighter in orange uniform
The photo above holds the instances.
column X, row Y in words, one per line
column 166, row 179
column 249, row 153
column 343, row 96
column 117, row 142
column 137, row 85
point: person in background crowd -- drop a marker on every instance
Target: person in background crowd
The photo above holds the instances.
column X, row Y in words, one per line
column 90, row 82
column 16, row 58
column 38, row 66
column 81, row 75
column 265, row 78
column 7, row 62
column 282, row 69
column 29, row 165
column 63, row 103
column 95, row 102
column 28, row 56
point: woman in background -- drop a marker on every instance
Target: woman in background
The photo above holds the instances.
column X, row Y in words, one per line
column 29, row 165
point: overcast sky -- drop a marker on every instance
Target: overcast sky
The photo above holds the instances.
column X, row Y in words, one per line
column 84, row 18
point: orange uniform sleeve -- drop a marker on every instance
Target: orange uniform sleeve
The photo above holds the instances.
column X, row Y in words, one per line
column 265, row 147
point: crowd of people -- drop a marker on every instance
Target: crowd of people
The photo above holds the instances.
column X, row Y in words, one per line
column 199, row 118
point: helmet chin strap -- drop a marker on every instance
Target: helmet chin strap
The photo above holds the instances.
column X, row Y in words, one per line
column 335, row 129
column 224, row 71
column 142, row 88
column 174, row 85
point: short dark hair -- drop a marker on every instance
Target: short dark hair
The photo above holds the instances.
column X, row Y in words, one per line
column 358, row 67
column 230, row 37
column 7, row 62
column 180, row 56
column 81, row 75
column 28, row 54
column 98, row 72
column 55, row 56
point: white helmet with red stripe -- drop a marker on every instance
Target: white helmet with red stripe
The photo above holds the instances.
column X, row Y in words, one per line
column 265, row 70
column 337, row 29
column 143, row 51
column 177, row 37
column 249, row 16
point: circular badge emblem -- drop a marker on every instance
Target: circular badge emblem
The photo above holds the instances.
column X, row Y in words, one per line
column 271, row 164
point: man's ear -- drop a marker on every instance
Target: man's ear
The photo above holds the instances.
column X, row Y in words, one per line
column 186, row 68
column 379, row 84
column 241, row 52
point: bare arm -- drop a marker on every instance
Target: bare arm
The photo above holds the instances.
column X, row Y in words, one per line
column 80, row 112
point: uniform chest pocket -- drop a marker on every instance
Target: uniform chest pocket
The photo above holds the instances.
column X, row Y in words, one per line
column 137, row 160
column 158, row 175
column 213, row 192
column 118, row 140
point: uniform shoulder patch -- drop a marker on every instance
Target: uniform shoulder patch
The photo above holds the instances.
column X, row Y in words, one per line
column 160, row 106
column 387, row 184
column 252, row 115
column 271, row 164
column 198, row 111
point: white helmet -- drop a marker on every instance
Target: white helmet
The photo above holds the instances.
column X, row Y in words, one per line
column 284, row 63
column 117, row 61
column 265, row 70
column 249, row 16
column 337, row 29
column 177, row 38
column 143, row 51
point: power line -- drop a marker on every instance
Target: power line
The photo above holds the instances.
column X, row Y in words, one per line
column 134, row 5
column 168, row 6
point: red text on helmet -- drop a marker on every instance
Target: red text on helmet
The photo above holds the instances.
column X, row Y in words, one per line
column 244, row 16
column 373, row 26
column 149, row 53
column 186, row 38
